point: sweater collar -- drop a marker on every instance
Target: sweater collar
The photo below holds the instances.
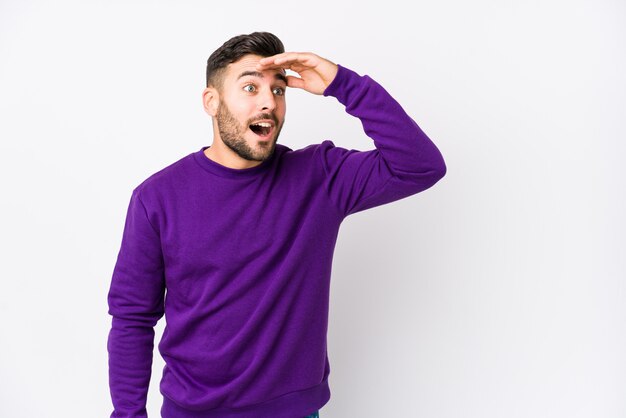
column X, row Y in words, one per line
column 223, row 171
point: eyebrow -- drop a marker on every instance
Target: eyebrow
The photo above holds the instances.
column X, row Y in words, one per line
column 278, row 76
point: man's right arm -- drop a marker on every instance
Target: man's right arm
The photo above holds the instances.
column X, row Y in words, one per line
column 136, row 304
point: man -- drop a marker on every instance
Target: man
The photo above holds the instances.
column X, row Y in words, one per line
column 241, row 234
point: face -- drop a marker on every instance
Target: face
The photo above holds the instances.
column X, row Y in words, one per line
column 251, row 109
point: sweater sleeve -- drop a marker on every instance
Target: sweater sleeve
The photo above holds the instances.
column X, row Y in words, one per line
column 136, row 303
column 405, row 161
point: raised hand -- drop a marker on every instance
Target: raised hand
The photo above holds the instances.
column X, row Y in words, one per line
column 315, row 72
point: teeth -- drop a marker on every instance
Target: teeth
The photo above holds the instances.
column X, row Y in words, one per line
column 264, row 124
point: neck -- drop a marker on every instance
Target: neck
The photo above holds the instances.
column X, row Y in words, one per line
column 225, row 156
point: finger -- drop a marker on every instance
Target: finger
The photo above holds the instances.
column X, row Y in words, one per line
column 270, row 66
column 295, row 82
column 271, row 58
column 301, row 59
column 280, row 56
column 287, row 59
column 269, row 62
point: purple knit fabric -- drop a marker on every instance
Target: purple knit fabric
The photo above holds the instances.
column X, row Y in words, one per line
column 239, row 262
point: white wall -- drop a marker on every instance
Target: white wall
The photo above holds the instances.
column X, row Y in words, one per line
column 497, row 293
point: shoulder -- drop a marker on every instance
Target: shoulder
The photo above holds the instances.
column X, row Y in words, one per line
column 307, row 156
column 322, row 153
column 308, row 151
column 168, row 177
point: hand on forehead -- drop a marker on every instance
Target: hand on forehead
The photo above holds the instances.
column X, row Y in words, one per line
column 315, row 73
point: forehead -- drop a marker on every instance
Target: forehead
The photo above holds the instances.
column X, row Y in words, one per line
column 247, row 64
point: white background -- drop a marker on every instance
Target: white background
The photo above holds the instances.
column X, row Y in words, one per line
column 500, row 292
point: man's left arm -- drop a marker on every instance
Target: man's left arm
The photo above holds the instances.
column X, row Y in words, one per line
column 405, row 160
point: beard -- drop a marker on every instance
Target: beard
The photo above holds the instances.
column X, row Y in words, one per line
column 232, row 134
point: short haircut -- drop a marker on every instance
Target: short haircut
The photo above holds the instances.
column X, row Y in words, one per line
column 263, row 44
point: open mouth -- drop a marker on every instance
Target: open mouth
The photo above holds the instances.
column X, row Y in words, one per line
column 262, row 128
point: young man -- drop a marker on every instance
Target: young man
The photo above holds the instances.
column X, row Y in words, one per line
column 241, row 234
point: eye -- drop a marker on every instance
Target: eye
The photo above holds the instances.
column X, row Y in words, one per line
column 279, row 91
column 249, row 88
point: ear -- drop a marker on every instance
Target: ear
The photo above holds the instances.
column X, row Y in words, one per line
column 210, row 100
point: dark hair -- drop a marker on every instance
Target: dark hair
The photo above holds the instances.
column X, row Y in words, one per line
column 264, row 44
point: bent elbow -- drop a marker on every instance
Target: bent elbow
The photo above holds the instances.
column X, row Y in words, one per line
column 440, row 170
column 435, row 173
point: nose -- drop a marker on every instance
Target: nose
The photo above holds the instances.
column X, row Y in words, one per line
column 267, row 101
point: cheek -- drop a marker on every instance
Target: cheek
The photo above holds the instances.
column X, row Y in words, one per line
column 281, row 107
column 240, row 107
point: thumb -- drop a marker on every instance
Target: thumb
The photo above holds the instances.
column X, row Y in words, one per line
column 296, row 82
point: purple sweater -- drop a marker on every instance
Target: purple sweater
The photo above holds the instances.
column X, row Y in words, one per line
column 245, row 256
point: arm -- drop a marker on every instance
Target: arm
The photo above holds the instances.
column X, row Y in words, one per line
column 405, row 161
column 136, row 303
